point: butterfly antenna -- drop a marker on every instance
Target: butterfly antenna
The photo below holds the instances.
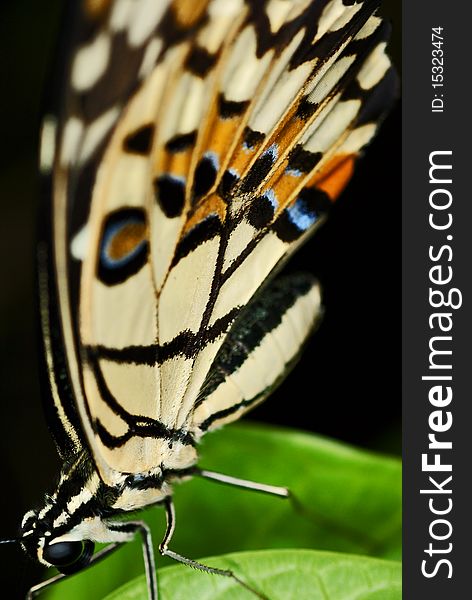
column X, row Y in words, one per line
column 13, row 541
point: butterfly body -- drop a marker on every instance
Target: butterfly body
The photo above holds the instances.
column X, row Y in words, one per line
column 196, row 146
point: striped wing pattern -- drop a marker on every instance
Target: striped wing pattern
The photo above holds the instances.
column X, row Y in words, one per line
column 201, row 142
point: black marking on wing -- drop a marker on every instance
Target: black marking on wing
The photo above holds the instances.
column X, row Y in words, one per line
column 261, row 211
column 379, row 99
column 146, row 482
column 331, row 41
column 228, row 109
column 262, row 314
column 116, row 84
column 348, row 85
column 146, row 428
column 266, row 39
column 375, row 101
column 361, row 47
column 307, row 22
column 205, row 425
column 237, row 262
column 181, row 142
column 140, row 141
column 204, row 177
column 173, row 32
column 199, row 61
column 226, row 185
column 252, row 138
column 305, row 109
column 138, row 425
column 303, row 160
column 259, row 171
column 314, row 204
column 170, row 194
column 51, row 328
column 186, row 344
column 202, row 232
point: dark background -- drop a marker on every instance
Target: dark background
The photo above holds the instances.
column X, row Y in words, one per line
column 347, row 384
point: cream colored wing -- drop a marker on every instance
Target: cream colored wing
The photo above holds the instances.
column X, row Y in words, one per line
column 258, row 352
column 242, row 127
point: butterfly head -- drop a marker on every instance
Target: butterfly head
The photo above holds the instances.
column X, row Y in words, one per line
column 53, row 548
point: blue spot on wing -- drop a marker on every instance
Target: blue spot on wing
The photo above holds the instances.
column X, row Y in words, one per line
column 301, row 214
column 295, row 220
column 272, row 198
column 293, row 172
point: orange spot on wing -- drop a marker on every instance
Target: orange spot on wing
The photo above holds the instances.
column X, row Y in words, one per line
column 188, row 12
column 96, row 9
column 242, row 157
column 126, row 240
column 211, row 204
column 284, row 185
column 222, row 136
column 335, row 175
column 176, row 164
column 285, row 135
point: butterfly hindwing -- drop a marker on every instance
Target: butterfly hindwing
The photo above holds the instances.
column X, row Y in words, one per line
column 263, row 344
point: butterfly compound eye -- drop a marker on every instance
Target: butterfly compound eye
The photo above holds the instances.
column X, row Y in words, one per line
column 69, row 557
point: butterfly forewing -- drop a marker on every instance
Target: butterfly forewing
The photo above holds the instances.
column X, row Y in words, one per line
column 200, row 143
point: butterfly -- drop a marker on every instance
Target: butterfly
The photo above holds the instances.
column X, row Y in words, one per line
column 192, row 147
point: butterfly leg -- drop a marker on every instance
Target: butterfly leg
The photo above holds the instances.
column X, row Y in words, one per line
column 272, row 490
column 97, row 557
column 164, row 550
column 134, row 527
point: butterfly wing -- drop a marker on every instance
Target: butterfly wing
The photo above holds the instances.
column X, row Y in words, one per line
column 293, row 156
column 202, row 145
column 109, row 49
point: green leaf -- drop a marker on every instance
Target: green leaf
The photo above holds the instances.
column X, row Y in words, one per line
column 351, row 503
column 279, row 575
